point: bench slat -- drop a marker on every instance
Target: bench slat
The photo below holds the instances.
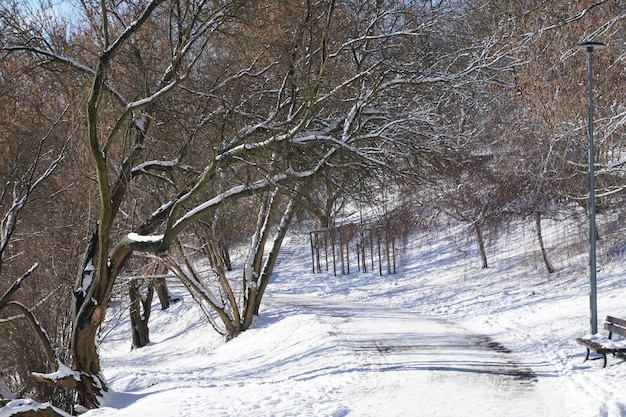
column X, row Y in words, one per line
column 615, row 325
column 598, row 347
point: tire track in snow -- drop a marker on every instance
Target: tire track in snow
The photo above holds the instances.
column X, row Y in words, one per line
column 453, row 349
column 400, row 347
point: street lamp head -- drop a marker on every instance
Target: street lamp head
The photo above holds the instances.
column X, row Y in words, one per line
column 590, row 45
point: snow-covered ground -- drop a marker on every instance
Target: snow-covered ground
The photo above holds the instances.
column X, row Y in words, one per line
column 442, row 337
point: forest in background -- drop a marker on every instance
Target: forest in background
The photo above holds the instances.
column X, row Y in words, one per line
column 140, row 137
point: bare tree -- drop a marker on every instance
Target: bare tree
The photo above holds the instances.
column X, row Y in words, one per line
column 545, row 149
column 18, row 194
column 548, row 89
column 229, row 108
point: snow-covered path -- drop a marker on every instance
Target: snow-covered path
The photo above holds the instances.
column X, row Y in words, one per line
column 410, row 365
column 440, row 338
column 308, row 356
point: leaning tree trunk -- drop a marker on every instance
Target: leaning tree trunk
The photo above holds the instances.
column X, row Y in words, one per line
column 481, row 245
column 542, row 248
column 270, row 262
column 87, row 315
column 252, row 268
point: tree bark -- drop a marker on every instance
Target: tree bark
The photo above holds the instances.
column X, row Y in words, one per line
column 481, row 245
column 542, row 248
column 270, row 262
column 162, row 292
column 140, row 309
column 91, row 304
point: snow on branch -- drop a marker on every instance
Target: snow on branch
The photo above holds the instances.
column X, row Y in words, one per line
column 137, row 238
column 148, row 100
column 63, row 372
column 243, row 190
column 31, row 407
column 15, row 286
column 154, row 168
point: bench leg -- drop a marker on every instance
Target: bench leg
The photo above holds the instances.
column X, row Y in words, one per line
column 586, row 356
column 604, row 358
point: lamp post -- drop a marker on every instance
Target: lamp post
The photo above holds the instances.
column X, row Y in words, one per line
column 590, row 47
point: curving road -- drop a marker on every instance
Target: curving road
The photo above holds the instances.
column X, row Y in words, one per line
column 431, row 367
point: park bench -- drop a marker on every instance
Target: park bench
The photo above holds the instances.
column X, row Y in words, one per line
column 603, row 345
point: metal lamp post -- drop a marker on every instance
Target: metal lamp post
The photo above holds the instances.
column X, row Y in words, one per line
column 590, row 47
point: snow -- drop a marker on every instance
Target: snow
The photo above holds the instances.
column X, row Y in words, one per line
column 21, row 406
column 135, row 237
column 607, row 343
column 88, row 272
column 62, row 372
column 442, row 337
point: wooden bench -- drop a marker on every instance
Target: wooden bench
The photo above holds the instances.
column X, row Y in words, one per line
column 603, row 345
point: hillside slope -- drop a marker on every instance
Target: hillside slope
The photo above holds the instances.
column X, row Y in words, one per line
column 441, row 337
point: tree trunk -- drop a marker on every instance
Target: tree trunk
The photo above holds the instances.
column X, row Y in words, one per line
column 334, row 257
column 162, row 292
column 227, row 309
column 86, row 358
column 312, row 250
column 140, row 310
column 270, row 262
column 544, row 253
column 252, row 271
column 380, row 259
column 91, row 296
column 384, row 235
column 225, row 254
column 481, row 245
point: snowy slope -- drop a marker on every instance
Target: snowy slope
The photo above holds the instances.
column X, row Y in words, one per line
column 442, row 337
